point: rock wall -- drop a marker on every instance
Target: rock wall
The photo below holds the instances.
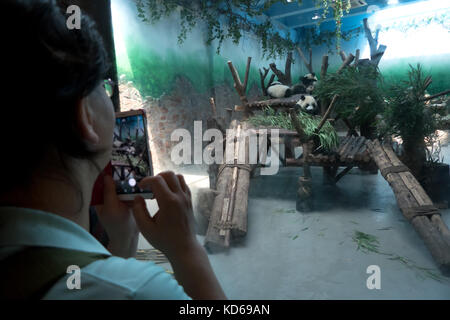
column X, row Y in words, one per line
column 176, row 110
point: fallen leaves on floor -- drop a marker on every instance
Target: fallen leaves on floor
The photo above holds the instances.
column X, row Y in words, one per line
column 368, row 243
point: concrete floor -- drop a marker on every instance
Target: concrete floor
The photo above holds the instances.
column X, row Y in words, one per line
column 293, row 255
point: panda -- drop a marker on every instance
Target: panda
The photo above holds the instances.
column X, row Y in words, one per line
column 308, row 104
column 279, row 90
column 309, row 81
column 306, row 85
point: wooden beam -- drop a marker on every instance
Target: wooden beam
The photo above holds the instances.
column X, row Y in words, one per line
column 415, row 204
column 327, row 114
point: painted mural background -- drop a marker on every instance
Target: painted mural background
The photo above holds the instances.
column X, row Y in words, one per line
column 415, row 33
column 175, row 81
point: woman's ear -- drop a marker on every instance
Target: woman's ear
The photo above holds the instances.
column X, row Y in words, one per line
column 86, row 122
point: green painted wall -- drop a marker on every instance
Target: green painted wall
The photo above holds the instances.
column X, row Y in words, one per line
column 151, row 57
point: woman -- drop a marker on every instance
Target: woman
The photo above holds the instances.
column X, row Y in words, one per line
column 66, row 120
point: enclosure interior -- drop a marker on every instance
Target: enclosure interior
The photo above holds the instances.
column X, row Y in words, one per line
column 288, row 254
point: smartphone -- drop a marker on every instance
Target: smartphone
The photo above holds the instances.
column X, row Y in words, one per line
column 131, row 158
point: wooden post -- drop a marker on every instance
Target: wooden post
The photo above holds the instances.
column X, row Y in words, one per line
column 376, row 52
column 347, row 62
column 241, row 89
column 285, row 78
column 308, row 64
column 358, row 53
column 228, row 219
column 263, row 82
column 304, row 192
column 323, row 71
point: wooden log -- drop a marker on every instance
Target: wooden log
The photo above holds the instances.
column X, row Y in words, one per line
column 357, row 55
column 226, row 218
column 275, row 103
column 436, row 95
column 247, row 71
column 410, row 194
column 360, row 153
column 345, row 148
column 343, row 173
column 324, row 69
column 240, row 88
column 214, row 241
column 304, row 201
column 358, row 143
column 327, row 114
column 298, row 127
column 308, row 64
column 263, row 80
column 347, row 62
column 203, row 207
column 285, row 78
column 239, row 218
column 228, row 221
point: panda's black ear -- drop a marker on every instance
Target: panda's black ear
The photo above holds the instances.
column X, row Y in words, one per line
column 302, row 97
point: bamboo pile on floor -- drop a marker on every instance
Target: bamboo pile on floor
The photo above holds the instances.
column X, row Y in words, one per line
column 228, row 220
column 414, row 203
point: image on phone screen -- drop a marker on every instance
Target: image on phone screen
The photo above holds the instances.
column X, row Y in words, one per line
column 131, row 157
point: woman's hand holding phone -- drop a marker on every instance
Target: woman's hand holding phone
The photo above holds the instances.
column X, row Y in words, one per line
column 171, row 230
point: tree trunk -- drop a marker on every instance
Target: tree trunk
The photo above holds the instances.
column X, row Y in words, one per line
column 414, row 157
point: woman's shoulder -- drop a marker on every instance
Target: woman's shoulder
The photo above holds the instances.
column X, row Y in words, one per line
column 118, row 278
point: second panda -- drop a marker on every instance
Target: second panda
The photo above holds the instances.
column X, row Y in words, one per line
column 278, row 90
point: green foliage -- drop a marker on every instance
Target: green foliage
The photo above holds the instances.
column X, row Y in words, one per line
column 339, row 7
column 270, row 118
column 360, row 98
column 406, row 115
column 239, row 16
column 368, row 243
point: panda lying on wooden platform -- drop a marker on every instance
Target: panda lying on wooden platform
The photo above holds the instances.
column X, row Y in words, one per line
column 308, row 104
column 278, row 90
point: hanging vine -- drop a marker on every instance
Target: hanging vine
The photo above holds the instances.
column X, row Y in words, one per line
column 223, row 19
column 340, row 7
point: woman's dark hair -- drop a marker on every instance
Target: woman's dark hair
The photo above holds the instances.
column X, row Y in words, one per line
column 49, row 68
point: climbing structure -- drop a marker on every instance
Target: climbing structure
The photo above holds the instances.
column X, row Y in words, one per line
column 231, row 181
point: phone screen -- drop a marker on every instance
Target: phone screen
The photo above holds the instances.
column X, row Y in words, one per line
column 131, row 158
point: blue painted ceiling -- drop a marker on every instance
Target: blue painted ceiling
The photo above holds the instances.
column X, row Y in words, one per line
column 295, row 16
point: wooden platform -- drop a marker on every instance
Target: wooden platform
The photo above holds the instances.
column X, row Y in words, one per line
column 275, row 103
column 351, row 151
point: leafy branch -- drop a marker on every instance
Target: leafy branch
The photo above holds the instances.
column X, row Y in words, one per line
column 223, row 19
